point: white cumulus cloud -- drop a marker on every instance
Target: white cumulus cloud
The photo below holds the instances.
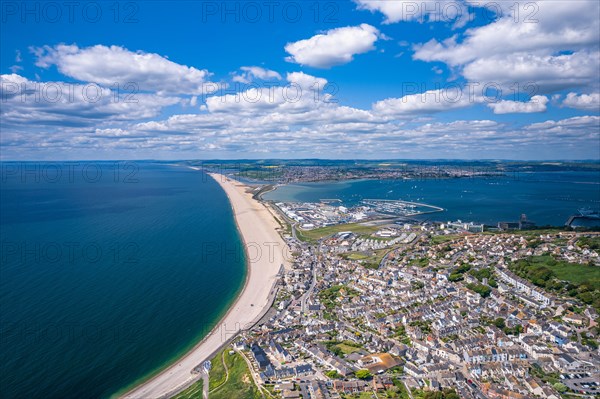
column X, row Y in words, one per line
column 306, row 81
column 551, row 43
column 249, row 73
column 410, row 10
column 588, row 123
column 535, row 104
column 116, row 65
column 334, row 47
column 427, row 102
column 28, row 103
column 541, row 73
column 589, row 102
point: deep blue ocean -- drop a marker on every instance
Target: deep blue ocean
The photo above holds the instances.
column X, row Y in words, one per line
column 547, row 198
column 108, row 272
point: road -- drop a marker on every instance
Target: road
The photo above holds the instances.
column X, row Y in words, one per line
column 304, row 390
column 407, row 389
column 399, row 248
column 205, row 383
column 308, row 293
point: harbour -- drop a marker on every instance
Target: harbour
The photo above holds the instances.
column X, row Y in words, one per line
column 547, row 198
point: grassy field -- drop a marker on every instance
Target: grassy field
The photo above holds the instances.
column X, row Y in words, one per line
column 347, row 349
column 421, row 262
column 239, row 385
column 537, row 232
column 217, row 372
column 576, row 273
column 355, row 256
column 571, row 272
column 371, row 260
column 444, row 238
column 266, row 172
column 582, row 281
column 342, row 348
column 193, row 392
column 589, row 242
column 316, row 234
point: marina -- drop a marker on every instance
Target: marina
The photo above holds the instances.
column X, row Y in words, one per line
column 549, row 199
column 586, row 217
column 401, row 208
column 311, row 215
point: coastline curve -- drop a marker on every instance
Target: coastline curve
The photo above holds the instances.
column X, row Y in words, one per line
column 258, row 230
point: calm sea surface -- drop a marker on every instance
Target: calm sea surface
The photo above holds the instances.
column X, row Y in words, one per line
column 106, row 279
column 548, row 198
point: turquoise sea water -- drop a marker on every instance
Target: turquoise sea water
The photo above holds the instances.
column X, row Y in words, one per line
column 105, row 280
column 548, row 198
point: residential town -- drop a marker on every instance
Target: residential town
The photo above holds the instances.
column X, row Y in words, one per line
column 398, row 310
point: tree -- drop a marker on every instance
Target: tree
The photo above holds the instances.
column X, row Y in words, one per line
column 560, row 387
column 433, row 395
column 499, row 322
column 481, row 289
column 363, row 374
column 333, row 374
column 586, row 297
column 516, row 330
column 451, row 395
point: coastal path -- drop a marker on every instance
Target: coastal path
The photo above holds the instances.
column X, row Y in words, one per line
column 205, row 382
column 226, row 373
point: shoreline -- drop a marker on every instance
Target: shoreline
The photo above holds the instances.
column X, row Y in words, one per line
column 258, row 231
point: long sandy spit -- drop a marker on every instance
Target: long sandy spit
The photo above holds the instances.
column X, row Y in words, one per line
column 266, row 253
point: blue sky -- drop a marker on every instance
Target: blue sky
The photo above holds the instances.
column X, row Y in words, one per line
column 293, row 79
